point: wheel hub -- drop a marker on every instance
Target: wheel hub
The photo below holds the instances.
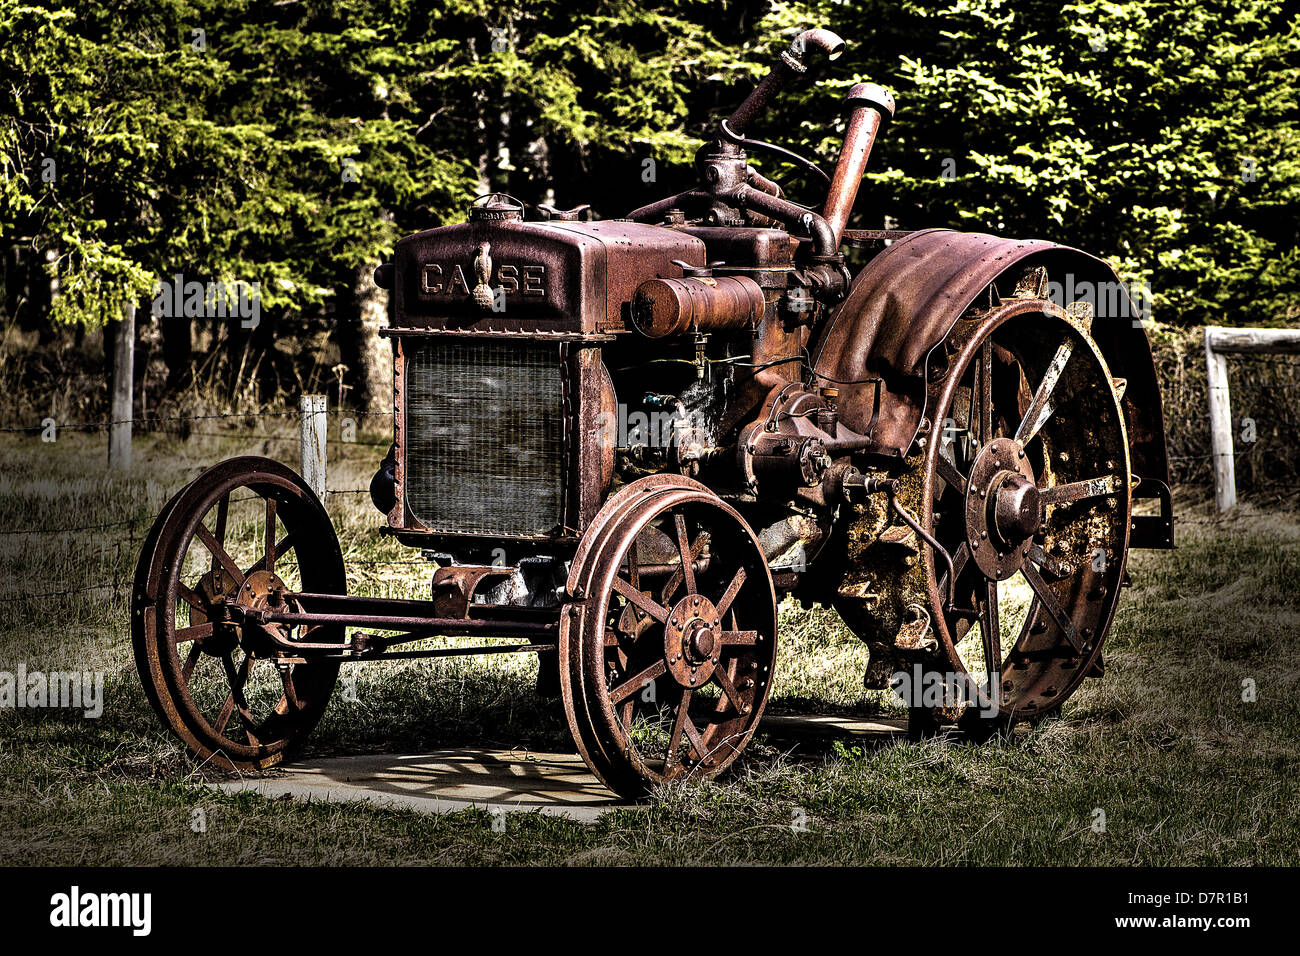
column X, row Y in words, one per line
column 692, row 640
column 1003, row 509
column 260, row 590
column 1016, row 506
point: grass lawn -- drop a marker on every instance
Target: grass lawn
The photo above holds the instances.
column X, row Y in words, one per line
column 1184, row 769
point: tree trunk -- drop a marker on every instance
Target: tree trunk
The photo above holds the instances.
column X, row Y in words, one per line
column 376, row 378
column 362, row 312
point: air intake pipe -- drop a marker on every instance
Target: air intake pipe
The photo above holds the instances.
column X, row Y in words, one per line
column 870, row 107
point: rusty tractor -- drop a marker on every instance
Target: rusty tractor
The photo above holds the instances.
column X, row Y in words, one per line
column 620, row 443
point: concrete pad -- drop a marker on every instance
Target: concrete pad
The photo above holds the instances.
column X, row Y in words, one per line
column 444, row 782
column 494, row 780
column 826, row 726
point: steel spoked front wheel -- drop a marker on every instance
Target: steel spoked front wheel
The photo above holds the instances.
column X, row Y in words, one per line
column 247, row 532
column 670, row 655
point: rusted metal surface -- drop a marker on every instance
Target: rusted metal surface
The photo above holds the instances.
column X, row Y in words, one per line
column 621, row 440
column 697, row 304
column 870, row 107
column 634, row 652
column 181, row 625
column 554, row 277
column 1079, row 467
column 911, row 294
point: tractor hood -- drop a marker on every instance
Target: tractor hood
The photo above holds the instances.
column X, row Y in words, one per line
column 507, row 275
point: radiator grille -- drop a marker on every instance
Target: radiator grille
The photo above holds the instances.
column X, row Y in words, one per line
column 484, row 436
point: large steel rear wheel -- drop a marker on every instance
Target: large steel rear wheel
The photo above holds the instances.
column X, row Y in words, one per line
column 1027, row 486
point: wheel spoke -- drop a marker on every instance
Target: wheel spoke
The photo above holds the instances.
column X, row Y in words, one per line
column 219, row 553
column 728, row 688
column 698, row 747
column 283, row 547
column 195, row 632
column 986, row 392
column 187, row 669
column 641, row 599
column 1040, row 408
column 675, row 579
column 679, row 726
column 960, row 558
column 190, row 597
column 223, row 510
column 634, row 684
column 633, row 566
column 991, row 627
column 730, row 594
column 739, row 638
column 684, row 549
column 949, row 473
column 1051, row 565
column 238, row 678
column 223, row 717
column 1049, row 600
column 290, row 697
column 1078, row 490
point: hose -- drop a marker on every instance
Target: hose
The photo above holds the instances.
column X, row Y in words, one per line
column 889, row 487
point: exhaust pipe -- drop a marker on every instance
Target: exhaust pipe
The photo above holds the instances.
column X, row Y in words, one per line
column 791, row 65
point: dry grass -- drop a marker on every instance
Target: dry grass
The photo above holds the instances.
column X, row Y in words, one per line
column 1185, row 770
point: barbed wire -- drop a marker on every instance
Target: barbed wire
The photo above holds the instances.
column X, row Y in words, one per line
column 87, row 527
column 14, row 599
column 93, row 426
column 119, row 583
column 294, row 439
column 143, row 518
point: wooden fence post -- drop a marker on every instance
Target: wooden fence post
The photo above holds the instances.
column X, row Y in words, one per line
column 314, row 431
column 1216, row 383
column 1218, row 342
column 120, row 408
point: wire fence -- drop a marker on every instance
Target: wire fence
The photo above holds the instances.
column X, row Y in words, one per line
column 144, row 520
column 171, row 420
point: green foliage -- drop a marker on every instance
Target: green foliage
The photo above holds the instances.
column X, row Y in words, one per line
column 296, row 142
column 1161, row 135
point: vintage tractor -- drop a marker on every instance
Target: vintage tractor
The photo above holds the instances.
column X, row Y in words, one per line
column 620, row 443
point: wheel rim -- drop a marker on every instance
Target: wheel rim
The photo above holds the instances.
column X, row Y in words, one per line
column 241, row 532
column 675, row 657
column 1028, row 487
